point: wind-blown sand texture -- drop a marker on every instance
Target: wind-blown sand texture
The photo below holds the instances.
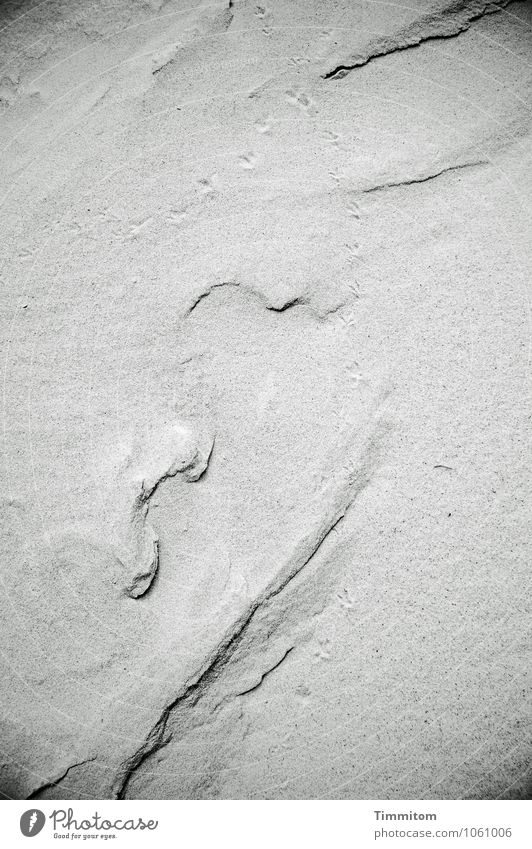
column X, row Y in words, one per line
column 265, row 312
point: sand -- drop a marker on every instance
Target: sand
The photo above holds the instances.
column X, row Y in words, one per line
column 265, row 323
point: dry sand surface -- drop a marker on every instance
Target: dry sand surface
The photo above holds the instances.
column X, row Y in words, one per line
column 265, row 504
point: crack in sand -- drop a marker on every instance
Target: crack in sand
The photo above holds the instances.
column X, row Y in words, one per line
column 452, row 20
column 265, row 674
column 424, row 179
column 355, row 476
column 36, row 794
column 298, row 300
